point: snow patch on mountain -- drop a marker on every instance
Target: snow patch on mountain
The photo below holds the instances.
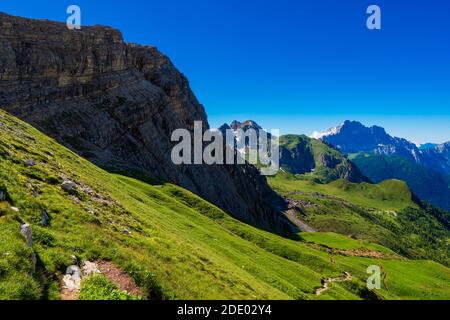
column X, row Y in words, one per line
column 330, row 132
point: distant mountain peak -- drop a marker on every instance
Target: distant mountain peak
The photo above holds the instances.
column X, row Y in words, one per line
column 248, row 124
column 443, row 148
column 331, row 131
column 244, row 126
column 348, row 125
column 354, row 137
column 356, row 125
column 235, row 124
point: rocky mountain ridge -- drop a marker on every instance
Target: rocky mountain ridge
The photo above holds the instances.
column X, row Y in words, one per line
column 117, row 105
column 300, row 154
column 380, row 156
column 354, row 137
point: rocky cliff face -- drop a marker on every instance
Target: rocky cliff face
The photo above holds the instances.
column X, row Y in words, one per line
column 117, row 104
column 352, row 137
column 438, row 158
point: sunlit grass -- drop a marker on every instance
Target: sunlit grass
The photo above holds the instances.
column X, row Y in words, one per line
column 177, row 246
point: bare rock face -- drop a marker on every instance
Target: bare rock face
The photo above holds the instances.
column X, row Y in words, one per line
column 25, row 229
column 45, row 219
column 88, row 268
column 69, row 186
column 72, row 279
column 117, row 104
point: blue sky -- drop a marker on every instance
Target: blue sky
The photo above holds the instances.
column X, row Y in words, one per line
column 295, row 65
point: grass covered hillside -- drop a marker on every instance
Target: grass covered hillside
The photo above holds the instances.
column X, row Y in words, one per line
column 315, row 160
column 173, row 244
column 429, row 185
column 385, row 213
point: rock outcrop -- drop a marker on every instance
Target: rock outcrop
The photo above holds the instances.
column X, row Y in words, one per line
column 117, row 105
column 25, row 229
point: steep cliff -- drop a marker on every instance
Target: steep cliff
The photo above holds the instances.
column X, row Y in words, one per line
column 117, row 105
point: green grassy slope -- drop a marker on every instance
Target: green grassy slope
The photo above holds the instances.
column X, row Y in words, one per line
column 178, row 246
column 429, row 185
column 384, row 213
column 388, row 195
column 339, row 241
column 314, row 160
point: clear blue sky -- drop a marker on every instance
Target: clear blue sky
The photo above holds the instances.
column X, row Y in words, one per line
column 295, row 65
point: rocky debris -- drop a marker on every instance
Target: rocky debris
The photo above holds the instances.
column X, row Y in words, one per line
column 295, row 203
column 69, row 186
column 88, row 268
column 72, row 279
column 71, row 282
column 75, row 200
column 101, row 200
column 29, row 163
column 25, row 229
column 91, row 194
column 87, row 191
column 45, row 218
column 33, row 187
column 117, row 104
column 321, row 195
